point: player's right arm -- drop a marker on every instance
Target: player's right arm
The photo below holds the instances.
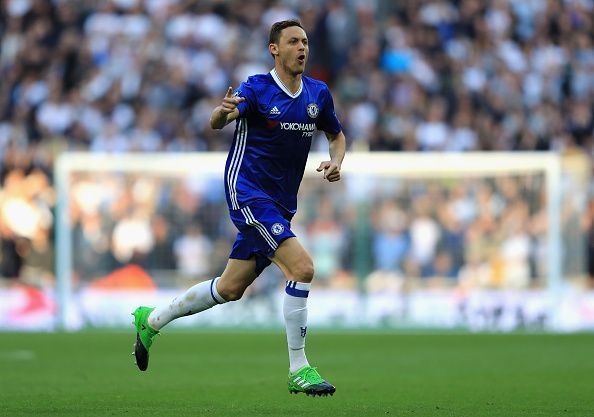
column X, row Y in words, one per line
column 227, row 112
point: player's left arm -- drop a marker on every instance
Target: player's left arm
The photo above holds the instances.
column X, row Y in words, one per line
column 337, row 147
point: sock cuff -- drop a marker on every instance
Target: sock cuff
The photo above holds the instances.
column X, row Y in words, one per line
column 214, row 293
column 297, row 289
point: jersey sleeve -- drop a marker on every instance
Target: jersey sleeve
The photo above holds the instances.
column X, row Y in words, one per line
column 327, row 121
column 246, row 90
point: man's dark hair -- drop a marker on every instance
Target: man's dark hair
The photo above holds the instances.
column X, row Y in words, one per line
column 277, row 28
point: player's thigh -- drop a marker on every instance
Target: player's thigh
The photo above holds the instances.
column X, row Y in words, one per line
column 237, row 276
column 293, row 260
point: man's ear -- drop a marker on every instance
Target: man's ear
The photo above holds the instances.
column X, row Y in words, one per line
column 273, row 49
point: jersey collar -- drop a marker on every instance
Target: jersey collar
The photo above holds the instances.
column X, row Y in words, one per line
column 283, row 87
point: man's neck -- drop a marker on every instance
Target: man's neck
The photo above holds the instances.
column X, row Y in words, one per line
column 291, row 81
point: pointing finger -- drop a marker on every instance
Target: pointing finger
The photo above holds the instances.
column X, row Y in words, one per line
column 229, row 92
column 235, row 99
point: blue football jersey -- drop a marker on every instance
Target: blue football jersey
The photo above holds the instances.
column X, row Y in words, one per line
column 273, row 135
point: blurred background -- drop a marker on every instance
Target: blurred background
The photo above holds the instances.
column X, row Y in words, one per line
column 463, row 80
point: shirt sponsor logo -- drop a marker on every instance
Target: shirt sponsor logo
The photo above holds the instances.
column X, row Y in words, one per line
column 271, row 123
column 298, row 126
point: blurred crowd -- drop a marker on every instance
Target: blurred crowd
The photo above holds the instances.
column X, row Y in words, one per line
column 483, row 232
column 143, row 76
column 172, row 227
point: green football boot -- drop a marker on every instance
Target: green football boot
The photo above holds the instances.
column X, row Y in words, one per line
column 144, row 336
column 309, row 381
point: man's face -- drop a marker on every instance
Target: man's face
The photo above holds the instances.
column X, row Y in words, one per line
column 293, row 49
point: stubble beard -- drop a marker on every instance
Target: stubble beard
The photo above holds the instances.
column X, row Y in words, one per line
column 294, row 69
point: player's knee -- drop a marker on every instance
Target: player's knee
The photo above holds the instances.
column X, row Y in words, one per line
column 231, row 292
column 304, row 270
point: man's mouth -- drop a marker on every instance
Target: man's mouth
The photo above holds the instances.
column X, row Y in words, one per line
column 301, row 58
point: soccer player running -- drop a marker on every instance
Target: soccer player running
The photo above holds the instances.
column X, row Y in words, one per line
column 276, row 115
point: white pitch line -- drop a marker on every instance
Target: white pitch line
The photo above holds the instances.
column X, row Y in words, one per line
column 17, row 355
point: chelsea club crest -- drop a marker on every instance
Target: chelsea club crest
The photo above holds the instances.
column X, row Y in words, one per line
column 277, row 228
column 313, row 110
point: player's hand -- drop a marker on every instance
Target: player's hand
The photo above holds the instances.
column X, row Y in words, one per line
column 331, row 170
column 230, row 101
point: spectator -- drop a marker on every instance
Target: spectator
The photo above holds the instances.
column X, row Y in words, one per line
column 325, row 239
column 192, row 251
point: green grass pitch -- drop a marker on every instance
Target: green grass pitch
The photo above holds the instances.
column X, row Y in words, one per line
column 244, row 374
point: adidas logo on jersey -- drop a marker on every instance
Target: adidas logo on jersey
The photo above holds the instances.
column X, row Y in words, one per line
column 275, row 110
